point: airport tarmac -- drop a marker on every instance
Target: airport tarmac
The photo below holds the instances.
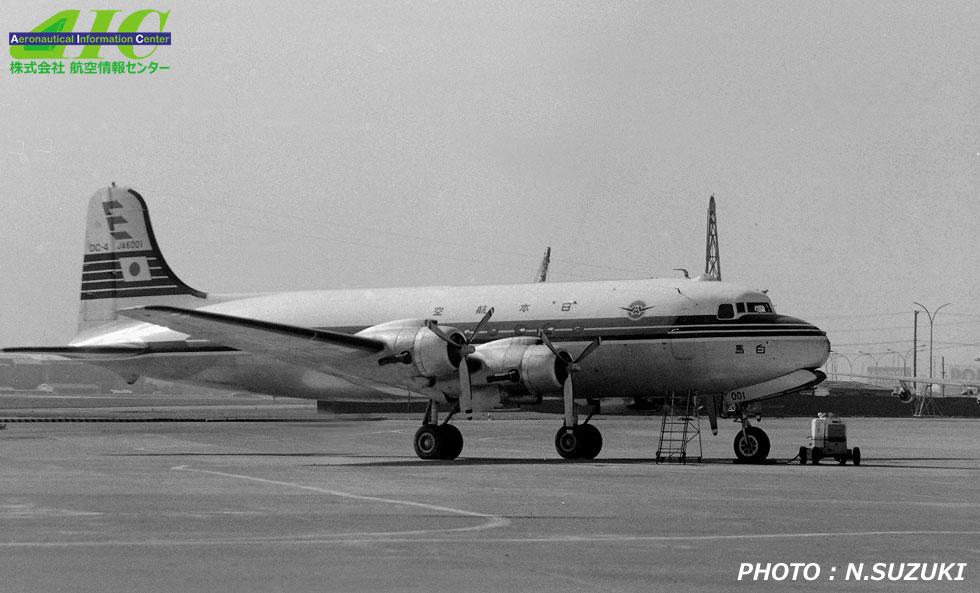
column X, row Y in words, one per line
column 340, row 504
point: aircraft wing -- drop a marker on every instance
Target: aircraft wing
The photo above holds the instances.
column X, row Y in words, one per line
column 83, row 353
column 906, row 381
column 306, row 347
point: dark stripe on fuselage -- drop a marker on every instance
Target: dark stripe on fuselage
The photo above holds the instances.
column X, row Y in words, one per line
column 748, row 327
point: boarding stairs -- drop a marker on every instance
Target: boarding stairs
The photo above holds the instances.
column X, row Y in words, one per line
column 680, row 431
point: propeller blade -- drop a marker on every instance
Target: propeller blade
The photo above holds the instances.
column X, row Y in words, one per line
column 479, row 326
column 465, row 390
column 547, row 342
column 571, row 418
column 434, row 328
column 589, row 349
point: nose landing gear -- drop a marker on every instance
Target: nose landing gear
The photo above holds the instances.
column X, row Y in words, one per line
column 751, row 443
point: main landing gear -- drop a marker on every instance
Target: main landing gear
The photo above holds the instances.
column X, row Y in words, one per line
column 578, row 442
column 751, row 443
column 437, row 441
column 444, row 441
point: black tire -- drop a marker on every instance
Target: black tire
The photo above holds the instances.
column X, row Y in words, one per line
column 591, row 440
column 856, row 456
column 452, row 441
column 817, row 453
column 751, row 445
column 568, row 443
column 428, row 442
column 802, row 455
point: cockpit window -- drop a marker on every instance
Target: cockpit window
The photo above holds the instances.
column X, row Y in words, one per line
column 759, row 308
column 726, row 311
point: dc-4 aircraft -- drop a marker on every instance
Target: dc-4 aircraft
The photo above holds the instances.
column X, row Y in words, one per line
column 464, row 348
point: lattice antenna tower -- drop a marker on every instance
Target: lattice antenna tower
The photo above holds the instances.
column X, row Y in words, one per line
column 712, row 261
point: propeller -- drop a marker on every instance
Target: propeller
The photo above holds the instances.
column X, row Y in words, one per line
column 570, row 367
column 464, row 349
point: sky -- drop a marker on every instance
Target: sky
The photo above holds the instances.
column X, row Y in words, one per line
column 296, row 146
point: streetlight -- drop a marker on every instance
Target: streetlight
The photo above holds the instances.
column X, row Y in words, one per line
column 834, row 355
column 905, row 361
column 932, row 319
column 873, row 359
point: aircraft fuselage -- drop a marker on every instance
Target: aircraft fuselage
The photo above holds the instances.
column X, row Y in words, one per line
column 658, row 335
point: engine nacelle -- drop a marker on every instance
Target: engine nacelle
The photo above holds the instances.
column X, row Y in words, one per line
column 903, row 394
column 522, row 366
column 413, row 344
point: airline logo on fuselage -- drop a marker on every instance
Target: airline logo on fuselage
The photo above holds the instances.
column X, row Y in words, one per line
column 636, row 309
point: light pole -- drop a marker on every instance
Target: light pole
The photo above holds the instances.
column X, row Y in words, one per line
column 932, row 319
column 913, row 352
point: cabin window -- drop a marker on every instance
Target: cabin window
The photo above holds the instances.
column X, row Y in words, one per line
column 760, row 308
column 726, row 311
column 740, row 307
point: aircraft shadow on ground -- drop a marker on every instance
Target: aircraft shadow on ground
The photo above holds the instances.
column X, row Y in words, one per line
column 914, row 462
column 549, row 461
column 885, row 462
column 245, row 454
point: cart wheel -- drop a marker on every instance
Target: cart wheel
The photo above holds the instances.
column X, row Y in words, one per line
column 856, row 456
column 841, row 460
column 802, row 455
column 815, row 454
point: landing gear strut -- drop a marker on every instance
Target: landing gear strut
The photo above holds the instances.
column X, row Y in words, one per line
column 751, row 443
column 437, row 441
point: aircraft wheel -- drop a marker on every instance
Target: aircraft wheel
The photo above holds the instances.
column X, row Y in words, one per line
column 751, row 444
column 802, row 455
column 580, row 442
column 429, row 442
column 452, row 441
column 568, row 443
column 591, row 440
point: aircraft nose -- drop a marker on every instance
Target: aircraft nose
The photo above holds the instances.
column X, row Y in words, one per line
column 818, row 347
column 814, row 346
column 823, row 350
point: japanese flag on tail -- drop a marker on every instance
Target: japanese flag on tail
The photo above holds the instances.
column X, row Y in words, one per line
column 135, row 269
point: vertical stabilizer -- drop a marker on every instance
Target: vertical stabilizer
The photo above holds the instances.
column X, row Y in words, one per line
column 123, row 266
column 542, row 275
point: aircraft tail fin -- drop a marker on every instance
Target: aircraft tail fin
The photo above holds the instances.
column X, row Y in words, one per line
column 123, row 266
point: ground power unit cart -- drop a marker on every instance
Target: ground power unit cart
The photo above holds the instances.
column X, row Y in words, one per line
column 828, row 438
